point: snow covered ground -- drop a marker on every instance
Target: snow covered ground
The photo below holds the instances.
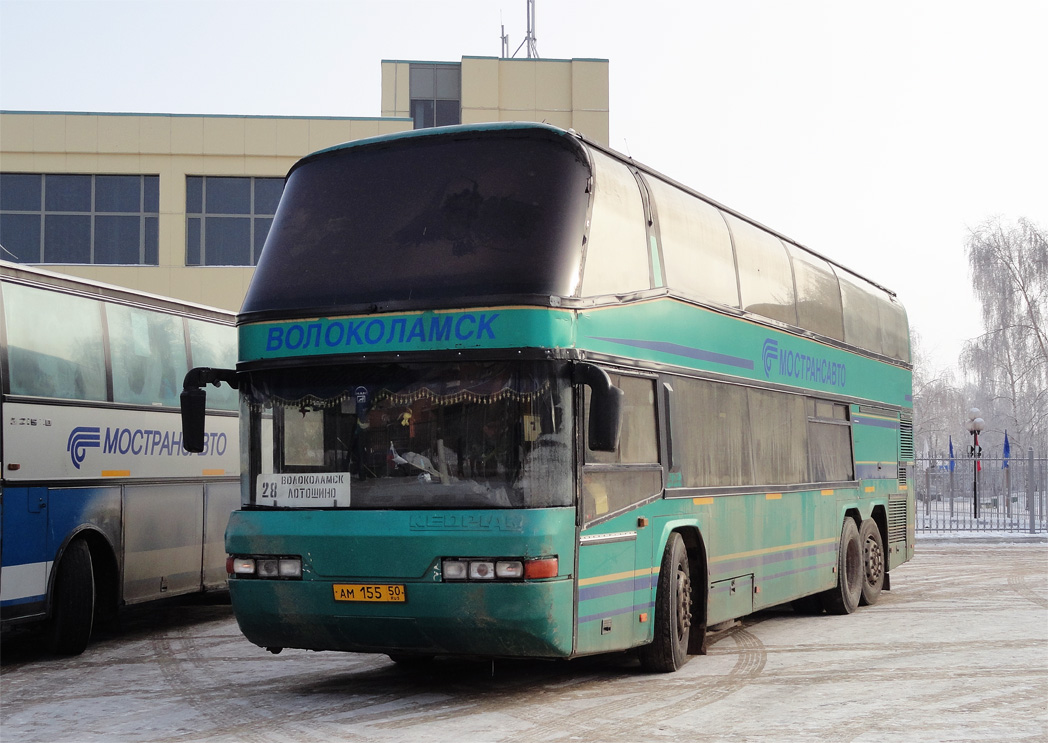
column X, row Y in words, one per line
column 957, row 651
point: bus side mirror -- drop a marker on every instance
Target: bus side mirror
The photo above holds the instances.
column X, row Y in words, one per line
column 605, row 413
column 194, row 400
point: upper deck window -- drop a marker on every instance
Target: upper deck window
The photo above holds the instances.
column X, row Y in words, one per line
column 872, row 320
column 430, row 219
column 818, row 294
column 765, row 275
column 697, row 246
column 617, row 251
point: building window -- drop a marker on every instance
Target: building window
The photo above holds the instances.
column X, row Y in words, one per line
column 80, row 219
column 228, row 219
column 436, row 93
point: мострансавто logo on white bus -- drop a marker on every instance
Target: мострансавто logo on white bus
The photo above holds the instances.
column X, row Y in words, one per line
column 801, row 366
column 137, row 442
column 81, row 439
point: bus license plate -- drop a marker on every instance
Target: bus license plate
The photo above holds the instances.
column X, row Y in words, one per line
column 372, row 592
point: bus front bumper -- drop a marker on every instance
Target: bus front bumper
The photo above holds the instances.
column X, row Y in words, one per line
column 496, row 619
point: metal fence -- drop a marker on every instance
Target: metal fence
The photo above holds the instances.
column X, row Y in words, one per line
column 1010, row 499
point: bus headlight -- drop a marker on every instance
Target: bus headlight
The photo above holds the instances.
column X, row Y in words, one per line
column 455, row 570
column 507, row 569
column 481, row 570
column 265, row 567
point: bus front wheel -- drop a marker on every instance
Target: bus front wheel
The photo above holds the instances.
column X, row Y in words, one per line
column 673, row 600
column 872, row 562
column 844, row 598
column 73, row 601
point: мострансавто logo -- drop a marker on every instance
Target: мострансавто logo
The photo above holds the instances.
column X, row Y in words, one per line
column 802, row 367
column 770, row 354
column 80, row 440
column 137, row 442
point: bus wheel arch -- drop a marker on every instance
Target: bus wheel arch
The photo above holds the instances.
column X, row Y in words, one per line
column 700, row 585
column 106, row 575
column 84, row 591
column 674, row 612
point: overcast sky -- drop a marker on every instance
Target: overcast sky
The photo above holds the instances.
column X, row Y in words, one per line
column 874, row 133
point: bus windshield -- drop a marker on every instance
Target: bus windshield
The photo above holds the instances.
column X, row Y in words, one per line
column 451, row 435
column 427, row 220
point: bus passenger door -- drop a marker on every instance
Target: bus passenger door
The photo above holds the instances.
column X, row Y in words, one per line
column 615, row 547
column 615, row 574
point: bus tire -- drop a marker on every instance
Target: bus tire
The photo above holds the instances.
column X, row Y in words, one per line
column 844, row 597
column 73, row 601
column 872, row 562
column 673, row 601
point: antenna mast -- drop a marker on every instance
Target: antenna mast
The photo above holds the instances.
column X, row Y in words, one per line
column 530, row 39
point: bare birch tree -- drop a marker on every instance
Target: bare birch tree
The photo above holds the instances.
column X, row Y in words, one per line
column 1009, row 362
column 939, row 408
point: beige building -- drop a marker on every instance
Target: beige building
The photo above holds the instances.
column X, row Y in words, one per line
column 180, row 205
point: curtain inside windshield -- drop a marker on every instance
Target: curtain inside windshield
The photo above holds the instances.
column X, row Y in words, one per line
column 473, row 435
column 427, row 218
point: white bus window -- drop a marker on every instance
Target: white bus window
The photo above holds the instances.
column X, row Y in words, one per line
column 148, row 355
column 696, row 245
column 215, row 346
column 54, row 344
column 765, row 276
column 617, row 250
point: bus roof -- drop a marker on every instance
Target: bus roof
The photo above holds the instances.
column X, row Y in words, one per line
column 467, row 130
column 516, row 213
column 31, row 274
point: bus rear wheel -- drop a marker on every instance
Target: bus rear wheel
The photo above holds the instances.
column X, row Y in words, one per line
column 73, row 601
column 844, row 598
column 872, row 562
column 673, row 600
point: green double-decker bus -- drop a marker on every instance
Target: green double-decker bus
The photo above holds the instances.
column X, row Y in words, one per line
column 507, row 393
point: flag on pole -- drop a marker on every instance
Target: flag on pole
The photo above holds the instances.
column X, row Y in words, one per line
column 951, row 453
column 1007, row 450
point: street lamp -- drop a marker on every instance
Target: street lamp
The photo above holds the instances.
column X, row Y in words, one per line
column 975, row 424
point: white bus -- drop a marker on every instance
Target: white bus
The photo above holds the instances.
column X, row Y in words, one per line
column 101, row 505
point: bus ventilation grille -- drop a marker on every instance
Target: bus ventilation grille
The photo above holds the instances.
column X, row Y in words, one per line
column 897, row 518
column 905, row 446
column 906, row 439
